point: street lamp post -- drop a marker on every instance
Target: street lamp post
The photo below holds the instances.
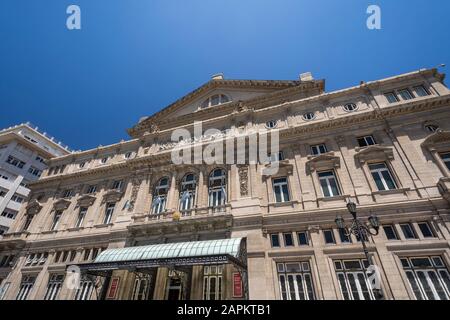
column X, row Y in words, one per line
column 361, row 232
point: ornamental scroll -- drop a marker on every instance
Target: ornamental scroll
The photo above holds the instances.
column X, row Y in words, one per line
column 243, row 180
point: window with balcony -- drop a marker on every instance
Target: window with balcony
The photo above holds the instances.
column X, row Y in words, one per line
column 281, row 190
column 187, row 192
column 382, row 176
column 217, row 188
column 160, row 196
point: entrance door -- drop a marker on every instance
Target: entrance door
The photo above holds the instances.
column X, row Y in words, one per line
column 177, row 285
column 142, row 285
column 175, row 289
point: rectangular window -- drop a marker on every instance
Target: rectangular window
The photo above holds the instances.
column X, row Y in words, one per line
column 212, row 282
column 54, row 286
column 280, row 189
column 446, row 158
column 390, row 232
column 275, row 240
column 391, row 97
column 428, row 277
column 303, row 238
column 81, row 216
column 25, row 287
column 328, row 184
column 295, row 281
column 84, row 292
column 382, row 176
column 329, row 236
column 117, row 185
column 109, row 212
column 288, row 239
column 91, row 189
column 15, row 162
column 318, row 149
column 56, row 219
column 345, row 238
column 353, row 280
column 421, row 91
column 366, row 141
column 426, row 230
column 405, row 94
column 67, row 193
column 35, row 171
column 408, row 231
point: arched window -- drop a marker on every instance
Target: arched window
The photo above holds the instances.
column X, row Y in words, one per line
column 160, row 196
column 215, row 100
column 187, row 192
column 217, row 188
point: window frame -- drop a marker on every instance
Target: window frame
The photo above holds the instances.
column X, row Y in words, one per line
column 284, row 195
column 411, row 228
column 327, row 179
column 382, row 178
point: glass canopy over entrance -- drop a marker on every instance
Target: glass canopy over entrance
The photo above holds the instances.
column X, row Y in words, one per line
column 178, row 258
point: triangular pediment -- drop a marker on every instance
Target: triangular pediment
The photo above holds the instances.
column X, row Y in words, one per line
column 236, row 91
column 437, row 138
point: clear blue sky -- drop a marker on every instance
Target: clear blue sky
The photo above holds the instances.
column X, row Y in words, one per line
column 132, row 58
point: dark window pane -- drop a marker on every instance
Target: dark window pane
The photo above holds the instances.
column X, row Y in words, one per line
column 275, row 240
column 328, row 235
column 426, row 230
column 390, row 232
column 343, row 236
column 302, row 238
column 407, row 231
column 288, row 240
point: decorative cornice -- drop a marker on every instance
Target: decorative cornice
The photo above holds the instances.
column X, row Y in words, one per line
column 324, row 161
column 436, row 138
column 374, row 153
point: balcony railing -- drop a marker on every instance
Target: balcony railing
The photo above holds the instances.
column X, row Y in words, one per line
column 168, row 215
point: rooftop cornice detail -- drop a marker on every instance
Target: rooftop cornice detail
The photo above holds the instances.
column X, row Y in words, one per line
column 351, row 119
column 154, row 123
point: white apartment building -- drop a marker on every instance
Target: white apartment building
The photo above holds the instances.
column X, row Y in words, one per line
column 23, row 154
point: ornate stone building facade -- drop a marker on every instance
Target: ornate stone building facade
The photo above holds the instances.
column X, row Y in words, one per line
column 140, row 227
